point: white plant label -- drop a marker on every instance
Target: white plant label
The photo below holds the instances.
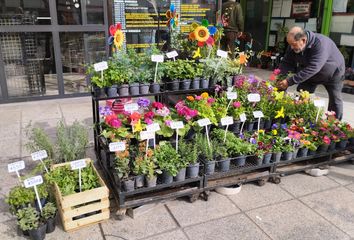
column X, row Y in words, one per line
column 227, row 121
column 154, row 127
column 116, row 146
column 273, row 57
column 243, row 117
column 144, row 135
column 319, row 103
column 254, row 97
column 157, row 58
column 100, row 66
column 258, row 114
column 204, row 122
column 131, row 107
column 177, row 125
column 42, row 154
column 172, row 54
column 78, row 164
column 231, row 95
column 33, row 181
column 16, row 166
column 221, row 53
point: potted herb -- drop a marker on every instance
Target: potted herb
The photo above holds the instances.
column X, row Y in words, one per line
column 19, row 197
column 198, row 73
column 288, row 150
column 172, row 74
column 221, row 155
column 167, row 158
column 189, row 151
column 140, row 165
column 151, row 170
column 123, row 170
column 97, row 82
column 49, row 213
column 206, row 153
column 29, row 220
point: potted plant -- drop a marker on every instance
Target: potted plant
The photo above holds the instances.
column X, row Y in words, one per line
column 206, row 152
column 19, row 197
column 97, row 82
column 139, row 165
column 150, row 171
column 187, row 73
column 189, row 151
column 49, row 213
column 198, row 70
column 29, row 220
column 123, row 171
column 172, row 74
column 276, row 149
column 287, row 150
column 166, row 158
column 222, row 156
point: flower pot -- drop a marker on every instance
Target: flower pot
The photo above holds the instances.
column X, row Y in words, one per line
column 267, row 157
column 139, row 181
column 196, row 83
column 98, row 92
column 235, row 127
column 190, row 134
column 302, row 152
column 351, row 141
column 261, row 124
column 185, row 85
column 323, row 148
column 267, row 124
column 286, row 156
column 166, row 177
column 204, row 83
column 128, row 185
column 341, row 144
column 181, row 175
column 112, row 91
column 276, row 157
column 311, row 153
column 134, row 88
column 193, row 170
column 39, row 233
column 144, row 88
column 123, row 90
column 173, row 86
column 209, row 167
column 332, row 146
column 295, row 153
column 250, row 126
column 224, row 165
column 151, row 182
column 155, row 88
column 240, row 161
column 51, row 223
column 259, row 161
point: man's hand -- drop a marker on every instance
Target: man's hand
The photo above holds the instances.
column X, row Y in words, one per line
column 283, row 85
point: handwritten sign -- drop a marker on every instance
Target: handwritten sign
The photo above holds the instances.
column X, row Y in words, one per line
column 131, row 107
column 172, row 54
column 42, row 154
column 16, row 166
column 177, row 125
column 100, row 66
column 258, row 114
column 154, row 127
column 144, row 135
column 204, row 122
column 116, row 146
column 254, row 97
column 319, row 103
column 157, row 58
column 33, row 181
column 227, row 121
column 78, row 164
column 231, row 95
column 243, row 117
column 221, row 53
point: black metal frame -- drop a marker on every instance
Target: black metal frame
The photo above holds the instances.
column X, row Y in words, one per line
column 54, row 29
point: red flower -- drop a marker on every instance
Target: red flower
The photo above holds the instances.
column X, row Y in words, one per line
column 157, row 105
column 149, row 115
column 135, row 116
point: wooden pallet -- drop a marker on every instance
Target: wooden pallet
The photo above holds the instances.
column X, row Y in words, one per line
column 73, row 208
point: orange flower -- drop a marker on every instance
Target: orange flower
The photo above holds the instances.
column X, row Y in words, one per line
column 242, row 58
column 135, row 116
column 191, row 36
column 204, row 95
column 190, row 98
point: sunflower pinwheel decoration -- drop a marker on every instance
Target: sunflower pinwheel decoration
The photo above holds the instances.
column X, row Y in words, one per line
column 117, row 35
column 172, row 17
column 203, row 33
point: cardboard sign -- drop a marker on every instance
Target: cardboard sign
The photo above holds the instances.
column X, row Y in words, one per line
column 154, row 127
column 243, row 117
column 254, row 97
column 100, row 66
column 157, row 58
column 144, row 135
column 221, row 53
column 42, row 154
column 204, row 122
column 78, row 164
column 258, row 114
column 172, row 54
column 227, row 121
column 177, row 125
column 16, row 166
column 231, row 95
column 116, row 146
column 131, row 107
column 33, row 181
column 319, row 103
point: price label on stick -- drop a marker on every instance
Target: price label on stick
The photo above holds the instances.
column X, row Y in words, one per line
column 258, row 114
column 204, row 122
column 221, row 53
column 33, row 181
column 144, row 135
column 254, row 97
column 177, row 125
column 78, row 164
column 243, row 117
column 16, row 166
column 131, row 107
column 227, row 121
column 40, row 155
column 172, row 54
column 157, row 58
column 231, row 95
column 154, row 127
column 100, row 66
column 319, row 103
column 116, row 146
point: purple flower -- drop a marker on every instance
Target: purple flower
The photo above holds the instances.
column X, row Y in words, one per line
column 284, row 126
column 274, row 126
column 241, row 135
column 253, row 141
column 104, row 111
column 252, row 79
column 143, row 102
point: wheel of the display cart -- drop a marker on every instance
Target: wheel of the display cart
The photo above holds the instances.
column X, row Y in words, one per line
column 261, row 182
column 205, row 195
column 276, row 180
column 193, row 197
column 120, row 214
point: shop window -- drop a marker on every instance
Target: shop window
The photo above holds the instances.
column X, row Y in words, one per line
column 69, row 12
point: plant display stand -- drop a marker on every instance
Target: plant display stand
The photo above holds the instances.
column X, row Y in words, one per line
column 84, row 208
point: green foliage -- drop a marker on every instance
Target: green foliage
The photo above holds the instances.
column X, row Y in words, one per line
column 188, row 151
column 27, row 218
column 203, row 147
column 49, row 211
column 180, row 69
column 167, row 158
column 220, row 150
column 122, row 167
column 287, row 148
column 38, row 140
column 19, row 196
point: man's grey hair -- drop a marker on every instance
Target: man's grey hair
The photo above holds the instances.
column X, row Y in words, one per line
column 297, row 33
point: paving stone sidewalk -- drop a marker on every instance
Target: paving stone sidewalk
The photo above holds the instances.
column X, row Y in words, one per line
column 300, row 207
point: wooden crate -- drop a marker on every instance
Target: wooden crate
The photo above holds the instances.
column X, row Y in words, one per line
column 77, row 204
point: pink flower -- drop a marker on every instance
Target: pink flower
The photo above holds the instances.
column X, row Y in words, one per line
column 115, row 123
column 148, row 121
column 157, row 105
column 211, row 100
column 236, row 104
column 198, row 98
column 276, row 71
column 168, row 123
column 326, row 140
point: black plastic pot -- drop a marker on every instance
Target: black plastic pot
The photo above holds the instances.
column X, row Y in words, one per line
column 250, row 126
column 302, row 152
column 155, row 87
column 173, row 86
column 123, row 90
column 323, row 148
column 134, row 88
column 39, row 233
column 51, row 224
column 209, row 167
column 286, row 156
column 311, row 153
column 224, row 165
column 240, row 161
column 267, row 124
column 267, row 157
column 351, row 141
column 196, row 83
column 139, row 181
column 112, row 91
column 98, row 92
column 276, row 157
column 341, row 144
column 259, row 161
column 235, row 127
column 295, row 153
column 185, row 84
column 151, row 182
column 144, row 88
column 204, row 83
column 192, row 170
column 332, row 146
column 166, row 177
column 128, row 185
column 181, row 175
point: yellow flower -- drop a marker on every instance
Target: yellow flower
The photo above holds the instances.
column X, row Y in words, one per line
column 274, row 132
column 197, row 53
column 137, row 127
column 304, row 94
column 261, row 131
column 190, row 98
column 201, row 34
column 118, row 39
column 280, row 113
column 279, row 95
column 275, row 89
column 204, row 95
